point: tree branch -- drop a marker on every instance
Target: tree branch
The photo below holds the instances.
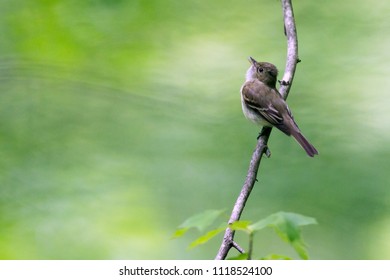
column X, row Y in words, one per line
column 261, row 147
column 292, row 48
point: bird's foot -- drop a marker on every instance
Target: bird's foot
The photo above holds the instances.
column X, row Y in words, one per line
column 284, row 83
column 267, row 151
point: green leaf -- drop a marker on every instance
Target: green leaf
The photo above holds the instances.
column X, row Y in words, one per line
column 276, row 257
column 179, row 232
column 287, row 226
column 266, row 222
column 241, row 225
column 300, row 248
column 243, row 256
column 206, row 237
column 200, row 221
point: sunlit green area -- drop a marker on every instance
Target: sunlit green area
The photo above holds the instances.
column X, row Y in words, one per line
column 120, row 119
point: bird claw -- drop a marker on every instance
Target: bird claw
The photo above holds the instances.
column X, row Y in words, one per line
column 267, row 151
column 284, row 83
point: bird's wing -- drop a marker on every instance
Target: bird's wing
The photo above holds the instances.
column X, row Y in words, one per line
column 258, row 96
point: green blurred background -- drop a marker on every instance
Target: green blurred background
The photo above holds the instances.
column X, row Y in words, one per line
column 120, row 119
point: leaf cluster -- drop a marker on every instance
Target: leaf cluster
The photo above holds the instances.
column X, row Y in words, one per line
column 286, row 225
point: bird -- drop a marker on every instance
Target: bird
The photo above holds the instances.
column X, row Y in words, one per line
column 264, row 105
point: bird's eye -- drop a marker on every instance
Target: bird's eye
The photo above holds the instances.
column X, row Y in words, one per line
column 260, row 70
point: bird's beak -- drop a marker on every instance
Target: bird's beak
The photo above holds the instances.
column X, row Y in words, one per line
column 252, row 60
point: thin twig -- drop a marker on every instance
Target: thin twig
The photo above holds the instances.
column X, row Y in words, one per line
column 261, row 147
column 238, row 248
column 250, row 250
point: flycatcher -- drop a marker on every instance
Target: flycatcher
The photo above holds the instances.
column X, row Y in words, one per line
column 263, row 104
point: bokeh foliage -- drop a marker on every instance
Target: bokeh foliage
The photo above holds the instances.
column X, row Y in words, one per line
column 120, row 119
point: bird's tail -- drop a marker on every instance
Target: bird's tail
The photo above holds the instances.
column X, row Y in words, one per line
column 305, row 144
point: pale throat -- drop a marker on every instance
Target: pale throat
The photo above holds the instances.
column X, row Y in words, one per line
column 250, row 74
